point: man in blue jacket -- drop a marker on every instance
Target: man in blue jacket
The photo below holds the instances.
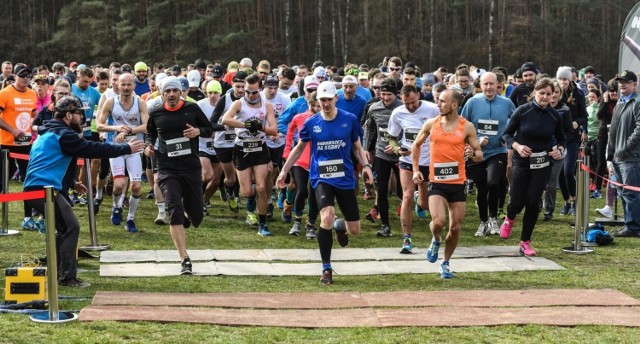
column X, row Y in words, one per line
column 53, row 162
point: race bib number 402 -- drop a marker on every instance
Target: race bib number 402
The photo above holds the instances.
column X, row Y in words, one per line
column 445, row 171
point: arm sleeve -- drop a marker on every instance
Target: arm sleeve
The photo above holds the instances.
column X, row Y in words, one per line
column 581, row 106
column 634, row 139
column 560, row 130
column 76, row 146
column 152, row 131
column 512, row 127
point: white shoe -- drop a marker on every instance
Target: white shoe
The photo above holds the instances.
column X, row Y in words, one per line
column 494, row 229
column 482, row 229
column 161, row 219
column 606, row 212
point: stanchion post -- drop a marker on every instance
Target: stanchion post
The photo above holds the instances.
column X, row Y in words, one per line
column 53, row 315
column 580, row 224
column 95, row 246
column 585, row 202
column 5, row 231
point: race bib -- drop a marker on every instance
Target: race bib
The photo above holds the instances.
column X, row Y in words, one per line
column 331, row 168
column 209, row 143
column 230, row 136
column 538, row 160
column 445, row 171
column 128, row 138
column 410, row 135
column 382, row 134
column 487, row 127
column 178, row 147
column 23, row 141
column 251, row 146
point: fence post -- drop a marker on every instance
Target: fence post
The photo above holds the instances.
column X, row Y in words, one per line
column 5, row 231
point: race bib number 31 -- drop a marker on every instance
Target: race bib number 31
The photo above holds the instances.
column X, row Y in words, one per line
column 331, row 168
column 445, row 171
column 538, row 160
column 178, row 147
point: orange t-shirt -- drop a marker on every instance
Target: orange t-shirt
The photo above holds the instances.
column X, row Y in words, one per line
column 447, row 153
column 17, row 111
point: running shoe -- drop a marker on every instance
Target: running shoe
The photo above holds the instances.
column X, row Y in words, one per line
column 367, row 195
column 407, row 245
column 286, row 212
column 547, row 217
column 116, row 216
column 252, row 219
column 384, row 231
column 526, row 250
column 161, row 219
column 74, row 198
column 565, row 209
column 82, row 199
column 596, row 194
column 264, row 231
column 151, row 194
column 482, row 229
column 445, row 270
column 74, row 283
column 233, row 204
column 494, row 229
column 295, row 230
column 341, row 232
column 606, row 211
column 270, row 208
column 432, row 252
column 131, row 226
column 223, row 194
column 327, row 277
column 373, row 215
column 41, row 225
column 421, row 213
column 505, row 229
column 572, row 210
column 311, row 231
column 28, row 224
column 96, row 205
column 187, row 267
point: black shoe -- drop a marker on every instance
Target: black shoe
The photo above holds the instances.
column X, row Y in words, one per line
column 151, row 194
column 74, row 283
column 187, row 268
column 548, row 216
column 327, row 277
column 625, row 233
column 341, row 232
column 96, row 205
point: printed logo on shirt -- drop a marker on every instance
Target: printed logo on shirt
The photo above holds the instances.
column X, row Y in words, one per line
column 317, row 129
column 331, row 145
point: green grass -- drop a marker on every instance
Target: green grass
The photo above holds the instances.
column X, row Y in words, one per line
column 613, row 267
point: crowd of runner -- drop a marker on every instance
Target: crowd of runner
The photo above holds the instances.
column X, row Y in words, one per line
column 301, row 138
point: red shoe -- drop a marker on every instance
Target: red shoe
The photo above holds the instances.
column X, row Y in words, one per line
column 373, row 215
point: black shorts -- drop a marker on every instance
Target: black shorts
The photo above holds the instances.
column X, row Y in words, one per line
column 212, row 158
column 408, row 167
column 450, row 192
column 182, row 194
column 276, row 155
column 244, row 160
column 326, row 195
column 225, row 155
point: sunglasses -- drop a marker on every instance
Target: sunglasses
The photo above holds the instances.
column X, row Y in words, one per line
column 252, row 93
column 375, row 88
column 395, row 69
column 24, row 75
column 310, row 90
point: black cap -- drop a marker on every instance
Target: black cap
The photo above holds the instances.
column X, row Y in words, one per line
column 20, row 68
column 590, row 69
column 529, row 67
column 239, row 76
column 200, row 64
column 627, row 76
column 176, row 69
column 217, row 70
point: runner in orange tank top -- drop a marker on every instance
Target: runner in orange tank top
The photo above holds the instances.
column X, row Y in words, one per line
column 452, row 140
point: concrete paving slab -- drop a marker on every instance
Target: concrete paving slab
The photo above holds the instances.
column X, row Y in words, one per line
column 292, row 254
column 239, row 255
column 393, row 253
column 299, row 269
column 195, row 255
column 527, row 263
column 342, row 254
column 360, row 268
column 155, row 270
column 245, row 269
column 134, row 256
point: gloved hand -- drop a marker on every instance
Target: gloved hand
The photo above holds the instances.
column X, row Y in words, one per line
column 253, row 126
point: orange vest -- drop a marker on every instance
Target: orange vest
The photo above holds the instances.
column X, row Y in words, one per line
column 447, row 153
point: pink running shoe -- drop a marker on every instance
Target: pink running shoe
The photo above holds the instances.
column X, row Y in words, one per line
column 505, row 229
column 526, row 250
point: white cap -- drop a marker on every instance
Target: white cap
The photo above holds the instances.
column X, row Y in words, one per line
column 194, row 78
column 349, row 79
column 310, row 81
column 326, row 90
column 159, row 78
column 246, row 62
column 320, row 71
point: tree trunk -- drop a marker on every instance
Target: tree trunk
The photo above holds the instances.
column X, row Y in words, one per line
column 319, row 35
column 287, row 44
column 491, row 38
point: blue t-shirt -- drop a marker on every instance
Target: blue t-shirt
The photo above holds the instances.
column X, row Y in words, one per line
column 354, row 106
column 299, row 105
column 90, row 98
column 331, row 147
column 141, row 87
column 490, row 117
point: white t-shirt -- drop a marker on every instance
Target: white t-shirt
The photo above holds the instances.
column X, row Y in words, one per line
column 407, row 125
column 205, row 144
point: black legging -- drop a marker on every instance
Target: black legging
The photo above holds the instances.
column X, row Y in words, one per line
column 487, row 175
column 525, row 191
column 303, row 193
column 383, row 174
column 601, row 151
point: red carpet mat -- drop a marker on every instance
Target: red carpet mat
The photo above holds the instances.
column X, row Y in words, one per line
column 559, row 307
